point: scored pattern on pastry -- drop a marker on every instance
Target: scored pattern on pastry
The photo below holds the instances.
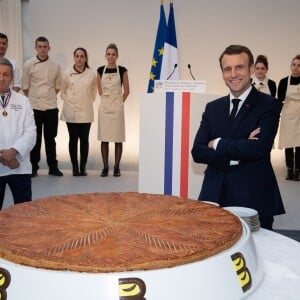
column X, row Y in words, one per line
column 110, row 232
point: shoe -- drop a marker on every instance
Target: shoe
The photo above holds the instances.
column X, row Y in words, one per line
column 75, row 169
column 83, row 171
column 34, row 173
column 117, row 172
column 76, row 172
column 55, row 172
column 297, row 175
column 104, row 172
column 290, row 174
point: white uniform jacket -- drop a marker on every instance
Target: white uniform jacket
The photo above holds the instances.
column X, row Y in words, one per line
column 18, row 131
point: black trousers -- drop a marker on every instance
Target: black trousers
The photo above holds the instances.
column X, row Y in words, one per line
column 266, row 222
column 47, row 123
column 79, row 132
column 20, row 186
column 292, row 157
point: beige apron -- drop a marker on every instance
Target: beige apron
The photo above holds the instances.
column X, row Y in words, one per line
column 111, row 120
column 289, row 129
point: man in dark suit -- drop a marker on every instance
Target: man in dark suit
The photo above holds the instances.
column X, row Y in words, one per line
column 235, row 139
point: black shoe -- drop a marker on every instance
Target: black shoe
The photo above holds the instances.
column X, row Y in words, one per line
column 104, row 172
column 76, row 172
column 83, row 172
column 297, row 175
column 117, row 172
column 34, row 173
column 75, row 169
column 289, row 174
column 55, row 172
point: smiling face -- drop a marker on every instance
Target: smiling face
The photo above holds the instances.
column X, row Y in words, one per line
column 237, row 72
column 260, row 71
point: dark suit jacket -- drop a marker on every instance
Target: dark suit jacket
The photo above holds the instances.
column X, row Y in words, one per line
column 252, row 183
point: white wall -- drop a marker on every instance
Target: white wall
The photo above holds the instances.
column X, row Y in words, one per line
column 204, row 29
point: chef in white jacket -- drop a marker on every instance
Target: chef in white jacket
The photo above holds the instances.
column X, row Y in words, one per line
column 17, row 138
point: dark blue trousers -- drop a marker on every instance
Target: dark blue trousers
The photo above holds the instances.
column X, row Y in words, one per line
column 20, row 186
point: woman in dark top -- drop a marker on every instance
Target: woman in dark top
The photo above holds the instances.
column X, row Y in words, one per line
column 113, row 88
column 289, row 131
column 260, row 79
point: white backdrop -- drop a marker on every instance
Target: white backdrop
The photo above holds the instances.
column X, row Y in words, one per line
column 204, row 29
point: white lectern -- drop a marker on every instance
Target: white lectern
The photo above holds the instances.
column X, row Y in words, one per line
column 168, row 124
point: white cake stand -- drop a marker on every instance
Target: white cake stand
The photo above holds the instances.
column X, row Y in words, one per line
column 231, row 274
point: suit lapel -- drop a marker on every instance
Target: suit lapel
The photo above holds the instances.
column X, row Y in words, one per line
column 225, row 107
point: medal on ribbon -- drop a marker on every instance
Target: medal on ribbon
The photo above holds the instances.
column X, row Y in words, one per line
column 4, row 100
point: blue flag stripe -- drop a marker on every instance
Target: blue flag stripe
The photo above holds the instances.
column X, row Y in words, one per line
column 169, row 143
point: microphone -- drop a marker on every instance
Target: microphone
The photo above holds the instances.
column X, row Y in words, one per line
column 175, row 66
column 190, row 69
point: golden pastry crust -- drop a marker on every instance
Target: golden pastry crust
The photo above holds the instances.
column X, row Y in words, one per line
column 114, row 232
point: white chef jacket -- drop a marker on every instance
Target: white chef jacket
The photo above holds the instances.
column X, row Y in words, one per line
column 18, row 131
column 78, row 91
column 42, row 79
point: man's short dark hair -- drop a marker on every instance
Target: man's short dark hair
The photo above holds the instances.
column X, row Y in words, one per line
column 237, row 49
column 3, row 36
column 41, row 39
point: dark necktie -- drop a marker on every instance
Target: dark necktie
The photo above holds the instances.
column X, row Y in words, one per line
column 235, row 103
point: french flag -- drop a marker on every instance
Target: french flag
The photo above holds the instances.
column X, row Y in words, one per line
column 170, row 57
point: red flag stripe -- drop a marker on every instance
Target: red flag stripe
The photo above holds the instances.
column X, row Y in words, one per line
column 185, row 142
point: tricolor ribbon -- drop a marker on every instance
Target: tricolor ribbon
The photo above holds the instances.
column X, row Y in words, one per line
column 4, row 100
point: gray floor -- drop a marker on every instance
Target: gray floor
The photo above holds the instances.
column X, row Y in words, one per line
column 44, row 186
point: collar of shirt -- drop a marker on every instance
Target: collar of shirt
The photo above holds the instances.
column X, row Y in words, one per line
column 42, row 60
column 257, row 82
column 242, row 97
column 7, row 93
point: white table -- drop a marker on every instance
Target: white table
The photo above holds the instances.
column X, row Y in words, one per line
column 281, row 256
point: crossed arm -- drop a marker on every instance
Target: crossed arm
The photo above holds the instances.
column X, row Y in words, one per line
column 252, row 136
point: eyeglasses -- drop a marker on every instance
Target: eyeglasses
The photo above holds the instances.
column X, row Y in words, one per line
column 238, row 69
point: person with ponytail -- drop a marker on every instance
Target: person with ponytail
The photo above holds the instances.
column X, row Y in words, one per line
column 78, row 92
column 113, row 88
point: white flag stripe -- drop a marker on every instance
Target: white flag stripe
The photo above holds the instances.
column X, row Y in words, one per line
column 177, row 144
column 169, row 60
